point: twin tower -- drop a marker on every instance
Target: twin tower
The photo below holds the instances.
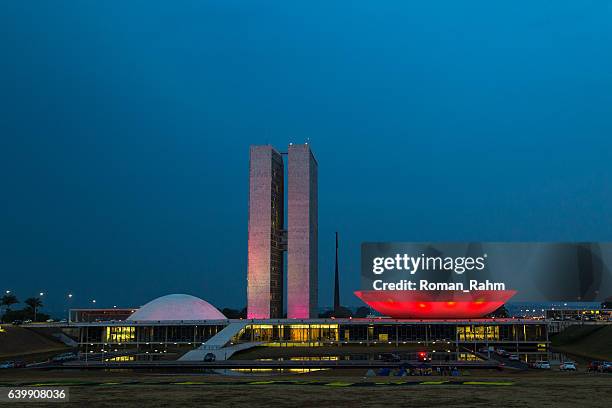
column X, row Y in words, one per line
column 269, row 239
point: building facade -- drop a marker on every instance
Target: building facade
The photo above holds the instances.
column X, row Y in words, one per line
column 302, row 219
column 268, row 238
column 130, row 341
column 265, row 233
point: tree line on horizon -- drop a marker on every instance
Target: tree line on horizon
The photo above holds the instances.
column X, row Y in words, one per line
column 31, row 310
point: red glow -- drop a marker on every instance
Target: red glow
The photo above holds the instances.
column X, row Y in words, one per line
column 422, row 304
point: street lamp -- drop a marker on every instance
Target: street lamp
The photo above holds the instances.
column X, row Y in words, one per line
column 68, row 305
column 8, row 292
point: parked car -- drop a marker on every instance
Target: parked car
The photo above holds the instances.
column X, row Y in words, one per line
column 390, row 357
column 423, row 356
column 17, row 322
column 27, row 321
column 7, row 364
column 605, row 367
column 542, row 364
column 594, row 366
column 568, row 366
column 50, row 320
column 502, row 353
column 513, row 357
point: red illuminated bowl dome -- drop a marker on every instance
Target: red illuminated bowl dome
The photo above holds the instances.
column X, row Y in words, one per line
column 424, row 304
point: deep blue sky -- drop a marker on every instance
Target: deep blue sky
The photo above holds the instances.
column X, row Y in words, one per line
column 125, row 129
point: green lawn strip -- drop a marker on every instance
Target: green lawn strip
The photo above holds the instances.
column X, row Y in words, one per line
column 74, row 383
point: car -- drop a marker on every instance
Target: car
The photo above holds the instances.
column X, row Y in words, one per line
column 605, row 367
column 542, row 365
column 594, row 366
column 27, row 321
column 19, row 364
column 7, row 364
column 568, row 366
column 17, row 322
column 513, row 357
column 50, row 320
column 423, row 356
column 63, row 321
column 502, row 353
column 389, row 357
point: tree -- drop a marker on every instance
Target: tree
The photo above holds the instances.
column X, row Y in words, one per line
column 500, row 312
column 362, row 311
column 8, row 300
column 34, row 303
column 342, row 313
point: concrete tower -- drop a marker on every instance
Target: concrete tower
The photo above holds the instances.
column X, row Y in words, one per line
column 302, row 241
column 265, row 242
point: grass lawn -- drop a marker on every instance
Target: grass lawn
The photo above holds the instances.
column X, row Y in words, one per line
column 336, row 388
column 593, row 342
column 22, row 343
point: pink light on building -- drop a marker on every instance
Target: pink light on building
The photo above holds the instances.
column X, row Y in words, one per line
column 302, row 242
column 266, row 217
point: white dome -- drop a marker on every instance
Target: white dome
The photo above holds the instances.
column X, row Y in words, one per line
column 177, row 307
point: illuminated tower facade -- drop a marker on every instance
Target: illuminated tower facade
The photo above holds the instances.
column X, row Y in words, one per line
column 302, row 242
column 268, row 238
column 265, row 240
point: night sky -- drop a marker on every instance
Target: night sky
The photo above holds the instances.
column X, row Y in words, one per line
column 125, row 130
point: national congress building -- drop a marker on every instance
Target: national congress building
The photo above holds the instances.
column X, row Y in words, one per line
column 187, row 328
column 269, row 238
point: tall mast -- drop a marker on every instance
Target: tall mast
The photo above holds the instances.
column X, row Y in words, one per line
column 337, row 282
